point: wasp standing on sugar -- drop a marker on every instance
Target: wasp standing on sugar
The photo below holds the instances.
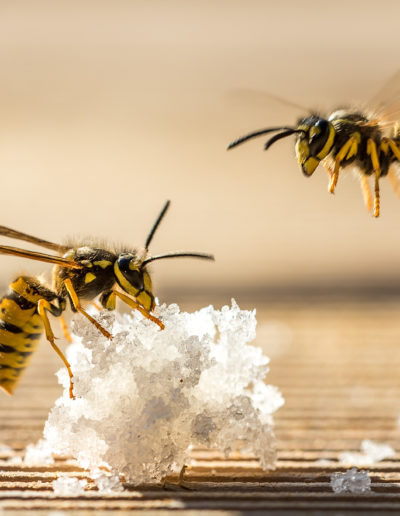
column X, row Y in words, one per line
column 368, row 141
column 82, row 273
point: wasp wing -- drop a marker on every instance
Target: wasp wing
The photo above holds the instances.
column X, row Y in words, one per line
column 386, row 103
column 41, row 257
column 18, row 235
column 263, row 99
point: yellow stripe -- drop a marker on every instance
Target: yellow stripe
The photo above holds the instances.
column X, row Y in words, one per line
column 18, row 341
column 21, row 287
column 89, row 277
column 102, row 263
column 328, row 145
column 123, row 281
column 12, row 313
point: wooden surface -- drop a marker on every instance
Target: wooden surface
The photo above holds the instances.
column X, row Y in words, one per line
column 338, row 367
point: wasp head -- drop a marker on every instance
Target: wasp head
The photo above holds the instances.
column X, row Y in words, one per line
column 133, row 278
column 315, row 137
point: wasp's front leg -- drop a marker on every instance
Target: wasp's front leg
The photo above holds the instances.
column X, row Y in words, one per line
column 108, row 300
column 77, row 305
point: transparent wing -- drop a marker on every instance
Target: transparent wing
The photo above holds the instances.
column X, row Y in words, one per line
column 41, row 257
column 18, row 235
column 386, row 103
column 262, row 99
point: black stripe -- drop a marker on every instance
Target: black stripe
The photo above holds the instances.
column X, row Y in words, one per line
column 33, row 336
column 25, row 354
column 6, row 349
column 23, row 303
column 4, row 325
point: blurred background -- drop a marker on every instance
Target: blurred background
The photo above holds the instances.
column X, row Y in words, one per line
column 110, row 108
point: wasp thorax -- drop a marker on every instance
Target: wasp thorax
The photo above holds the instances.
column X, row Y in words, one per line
column 314, row 142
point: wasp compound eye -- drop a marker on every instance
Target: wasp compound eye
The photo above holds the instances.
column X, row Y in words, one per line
column 319, row 134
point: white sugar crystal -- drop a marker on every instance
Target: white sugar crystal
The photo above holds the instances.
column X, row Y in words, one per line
column 68, row 486
column 106, row 482
column 377, row 451
column 352, row 481
column 5, row 449
column 145, row 396
column 371, row 452
column 38, row 454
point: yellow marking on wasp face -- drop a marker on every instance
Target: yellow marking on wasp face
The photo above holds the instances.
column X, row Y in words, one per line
column 310, row 165
column 103, row 263
column 328, row 145
column 123, row 281
column 314, row 131
column 147, row 282
column 304, row 128
column 302, row 150
column 89, row 277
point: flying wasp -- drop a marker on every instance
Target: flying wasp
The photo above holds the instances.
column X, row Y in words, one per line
column 80, row 272
column 368, row 141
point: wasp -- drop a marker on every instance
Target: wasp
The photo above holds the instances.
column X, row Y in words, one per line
column 81, row 272
column 347, row 137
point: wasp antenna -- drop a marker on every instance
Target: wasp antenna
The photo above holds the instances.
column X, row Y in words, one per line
column 278, row 137
column 156, row 224
column 257, row 133
column 203, row 256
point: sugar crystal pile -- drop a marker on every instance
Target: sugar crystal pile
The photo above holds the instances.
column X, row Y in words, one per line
column 144, row 397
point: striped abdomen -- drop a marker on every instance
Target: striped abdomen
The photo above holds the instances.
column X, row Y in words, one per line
column 20, row 329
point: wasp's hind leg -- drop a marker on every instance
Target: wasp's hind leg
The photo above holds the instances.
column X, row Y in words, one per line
column 108, row 300
column 373, row 153
column 43, row 307
column 347, row 151
column 65, row 330
column 366, row 191
column 77, row 305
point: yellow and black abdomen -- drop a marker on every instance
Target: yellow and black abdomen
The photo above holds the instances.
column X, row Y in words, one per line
column 21, row 328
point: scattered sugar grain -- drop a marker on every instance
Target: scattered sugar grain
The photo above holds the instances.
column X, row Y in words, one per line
column 371, row 453
column 352, row 481
column 69, row 486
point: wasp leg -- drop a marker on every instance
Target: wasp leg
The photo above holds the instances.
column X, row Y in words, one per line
column 394, row 181
column 373, row 153
column 394, row 148
column 77, row 305
column 108, row 301
column 377, row 197
column 348, row 150
column 64, row 328
column 99, row 308
column 366, row 190
column 44, row 307
column 392, row 175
